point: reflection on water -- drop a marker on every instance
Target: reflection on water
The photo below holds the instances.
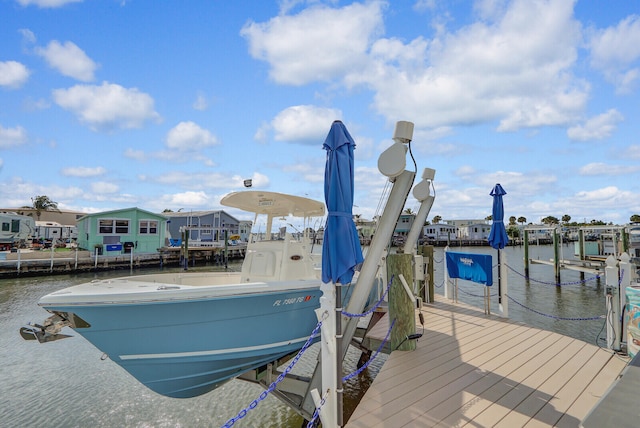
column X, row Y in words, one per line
column 65, row 383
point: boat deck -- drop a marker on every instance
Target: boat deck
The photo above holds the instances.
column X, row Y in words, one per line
column 477, row 370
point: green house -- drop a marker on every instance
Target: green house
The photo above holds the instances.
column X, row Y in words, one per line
column 129, row 230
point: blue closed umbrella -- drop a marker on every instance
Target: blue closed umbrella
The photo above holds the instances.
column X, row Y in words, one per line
column 341, row 251
column 498, row 238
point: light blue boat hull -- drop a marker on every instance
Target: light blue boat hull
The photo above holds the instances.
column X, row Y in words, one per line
column 187, row 348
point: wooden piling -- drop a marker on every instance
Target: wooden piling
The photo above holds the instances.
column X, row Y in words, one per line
column 401, row 307
column 556, row 255
column 526, row 253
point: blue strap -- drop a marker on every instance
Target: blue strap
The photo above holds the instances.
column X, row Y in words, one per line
column 339, row 214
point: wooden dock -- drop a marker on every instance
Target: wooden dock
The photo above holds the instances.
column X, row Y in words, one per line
column 477, row 370
column 40, row 263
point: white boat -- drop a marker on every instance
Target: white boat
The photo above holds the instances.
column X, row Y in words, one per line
column 184, row 334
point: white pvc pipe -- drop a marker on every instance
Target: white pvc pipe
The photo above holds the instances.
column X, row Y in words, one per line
column 418, row 224
column 406, row 288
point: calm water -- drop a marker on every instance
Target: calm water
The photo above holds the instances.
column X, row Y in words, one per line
column 66, row 384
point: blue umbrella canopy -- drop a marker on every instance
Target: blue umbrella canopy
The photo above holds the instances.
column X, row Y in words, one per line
column 498, row 236
column 341, row 251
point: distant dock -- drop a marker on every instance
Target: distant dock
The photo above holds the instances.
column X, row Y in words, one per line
column 472, row 369
column 44, row 262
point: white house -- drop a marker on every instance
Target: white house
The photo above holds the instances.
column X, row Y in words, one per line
column 439, row 232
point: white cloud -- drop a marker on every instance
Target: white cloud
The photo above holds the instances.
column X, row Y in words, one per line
column 200, row 103
column 262, row 133
column 138, row 155
column 108, row 106
column 208, row 180
column 13, row 74
column 43, row 4
column 83, row 171
column 513, row 68
column 596, row 128
column 27, row 35
column 602, row 197
column 69, row 60
column 600, row 168
column 339, row 37
column 465, row 171
column 103, row 187
column 304, row 124
column 12, row 137
column 188, row 199
column 257, row 180
column 188, row 136
column 615, row 51
column 516, row 71
column 424, row 5
column 29, row 104
column 632, row 152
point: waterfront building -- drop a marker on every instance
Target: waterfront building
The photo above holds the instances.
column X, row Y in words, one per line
column 129, row 230
column 205, row 228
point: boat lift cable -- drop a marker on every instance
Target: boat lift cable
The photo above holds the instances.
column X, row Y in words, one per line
column 373, row 357
column 382, row 201
column 415, row 166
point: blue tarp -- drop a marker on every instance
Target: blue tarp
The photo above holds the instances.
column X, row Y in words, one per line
column 472, row 267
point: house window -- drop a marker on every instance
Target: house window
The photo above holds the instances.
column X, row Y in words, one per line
column 5, row 227
column 110, row 226
column 148, row 227
column 105, row 225
column 122, row 227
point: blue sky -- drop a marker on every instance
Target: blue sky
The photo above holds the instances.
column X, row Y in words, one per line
column 110, row 104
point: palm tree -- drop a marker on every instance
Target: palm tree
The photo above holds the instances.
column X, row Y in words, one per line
column 512, row 220
column 42, row 203
column 436, row 219
column 550, row 220
column 522, row 220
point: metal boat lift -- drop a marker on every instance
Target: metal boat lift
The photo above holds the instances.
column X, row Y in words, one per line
column 294, row 390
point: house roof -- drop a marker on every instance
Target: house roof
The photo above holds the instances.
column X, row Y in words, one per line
column 123, row 210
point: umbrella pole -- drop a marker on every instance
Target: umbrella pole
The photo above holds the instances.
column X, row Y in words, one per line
column 339, row 390
column 499, row 279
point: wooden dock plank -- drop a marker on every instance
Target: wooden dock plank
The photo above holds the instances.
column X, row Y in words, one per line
column 480, row 370
column 597, row 388
column 558, row 371
column 566, row 396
